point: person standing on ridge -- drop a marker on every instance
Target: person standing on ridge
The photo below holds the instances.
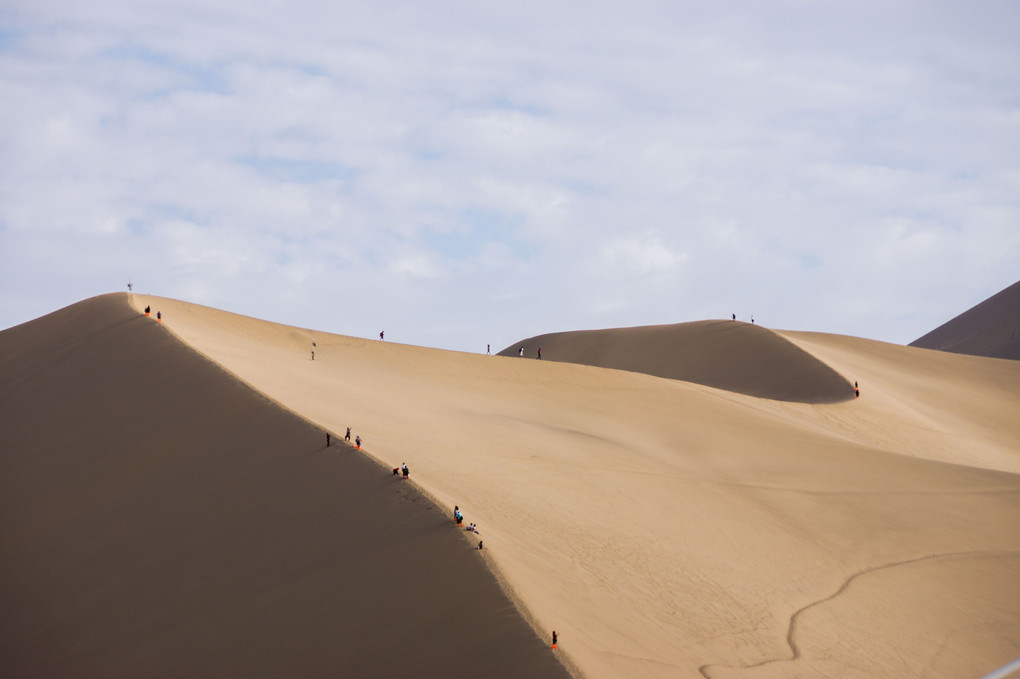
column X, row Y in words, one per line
column 540, row 353
column 521, row 352
column 147, row 309
column 327, row 439
column 555, row 637
column 382, row 334
column 159, row 316
column 357, row 441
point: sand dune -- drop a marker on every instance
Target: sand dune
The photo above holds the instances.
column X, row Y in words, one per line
column 730, row 355
column 991, row 328
column 160, row 518
column 672, row 529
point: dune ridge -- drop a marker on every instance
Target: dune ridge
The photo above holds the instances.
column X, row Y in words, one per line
column 734, row 356
column 670, row 529
column 158, row 517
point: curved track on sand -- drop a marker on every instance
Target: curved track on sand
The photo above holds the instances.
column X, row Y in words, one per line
column 730, row 355
column 791, row 632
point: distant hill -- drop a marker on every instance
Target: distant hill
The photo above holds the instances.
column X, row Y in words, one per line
column 991, row 328
column 731, row 355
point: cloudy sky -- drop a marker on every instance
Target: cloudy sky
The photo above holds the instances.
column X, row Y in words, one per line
column 464, row 173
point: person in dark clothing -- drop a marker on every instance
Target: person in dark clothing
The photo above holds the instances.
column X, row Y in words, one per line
column 147, row 309
column 357, row 441
column 348, row 436
column 555, row 637
column 405, row 470
column 540, row 353
column 327, row 439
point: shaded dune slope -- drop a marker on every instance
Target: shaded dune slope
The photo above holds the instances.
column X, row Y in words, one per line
column 738, row 357
column 991, row 328
column 160, row 518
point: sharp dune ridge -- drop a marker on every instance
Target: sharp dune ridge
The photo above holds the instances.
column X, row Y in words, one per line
column 665, row 527
column 160, row 518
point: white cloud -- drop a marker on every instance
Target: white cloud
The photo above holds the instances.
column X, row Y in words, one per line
column 484, row 173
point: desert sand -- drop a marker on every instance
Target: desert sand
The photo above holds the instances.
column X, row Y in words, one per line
column 672, row 529
column 158, row 518
column 664, row 528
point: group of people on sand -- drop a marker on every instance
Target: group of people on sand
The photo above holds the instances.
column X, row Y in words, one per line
column 347, row 438
column 458, row 516
column 520, row 352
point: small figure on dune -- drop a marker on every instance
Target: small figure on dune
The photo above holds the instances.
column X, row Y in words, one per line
column 734, row 317
column 555, row 638
column 382, row 334
column 357, row 441
column 540, row 353
column 348, row 436
column 396, row 471
column 521, row 352
column 752, row 320
column 327, row 439
column 159, row 316
column 147, row 309
column 405, row 470
column 458, row 516
column 472, row 528
column 479, row 544
column 313, row 354
column 488, row 349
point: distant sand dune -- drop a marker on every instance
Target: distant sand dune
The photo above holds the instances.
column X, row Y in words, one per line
column 991, row 328
column 730, row 355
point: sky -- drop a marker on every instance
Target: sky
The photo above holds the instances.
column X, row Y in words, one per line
column 468, row 173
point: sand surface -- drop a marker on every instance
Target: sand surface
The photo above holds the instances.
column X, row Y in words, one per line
column 672, row 529
column 158, row 518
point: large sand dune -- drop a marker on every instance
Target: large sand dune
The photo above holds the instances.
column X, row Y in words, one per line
column 671, row 529
column 160, row 519
column 738, row 357
column 664, row 528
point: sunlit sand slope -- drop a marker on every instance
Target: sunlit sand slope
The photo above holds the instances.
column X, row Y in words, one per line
column 158, row 518
column 737, row 357
column 670, row 529
column 991, row 328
